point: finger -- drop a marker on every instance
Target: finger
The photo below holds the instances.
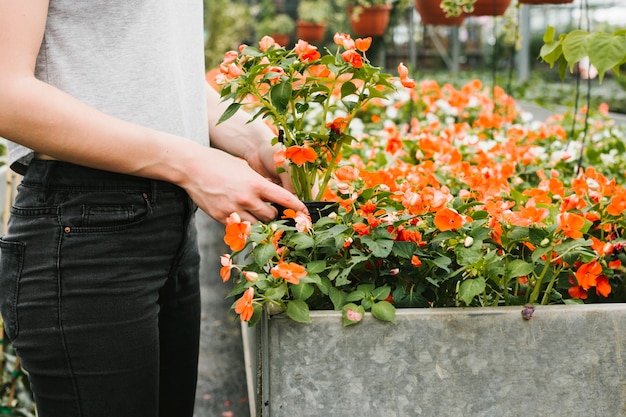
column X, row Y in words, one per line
column 280, row 195
column 264, row 214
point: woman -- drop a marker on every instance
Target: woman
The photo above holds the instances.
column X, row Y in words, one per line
column 108, row 116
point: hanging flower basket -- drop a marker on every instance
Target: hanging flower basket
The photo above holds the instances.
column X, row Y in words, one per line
column 432, row 14
column 545, row 1
column 490, row 7
column 369, row 21
column 310, row 32
column 281, row 39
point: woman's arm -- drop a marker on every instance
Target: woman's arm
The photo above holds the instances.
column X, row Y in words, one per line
column 53, row 123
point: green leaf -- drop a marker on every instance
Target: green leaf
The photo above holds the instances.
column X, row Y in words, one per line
column 347, row 88
column 230, row 111
column 356, row 295
column 381, row 293
column 442, row 262
column 301, row 241
column 404, row 250
column 575, row 47
column 315, row 267
column 470, row 288
column 337, row 297
column 467, row 256
column 606, row 51
column 263, row 253
column 302, row 291
column 380, row 248
column 384, row 310
column 548, row 35
column 518, row 268
column 539, row 252
column 276, row 293
column 298, row 310
column 280, row 94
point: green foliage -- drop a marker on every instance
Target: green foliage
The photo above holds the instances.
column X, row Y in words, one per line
column 606, row 51
column 472, row 207
column 279, row 24
column 314, row 11
column 227, row 24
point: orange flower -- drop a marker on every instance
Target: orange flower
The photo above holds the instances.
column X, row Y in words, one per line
column 448, row 219
column 237, row 235
column 266, row 43
column 250, row 276
column 290, row 272
column 227, row 265
column 347, row 173
column 363, row 44
column 577, row 292
column 302, row 220
column 338, row 125
column 279, row 157
column 571, row 224
column 361, row 229
column 299, row 155
column 319, row 71
column 603, row 287
column 415, row 261
column 403, row 72
column 306, row 52
column 344, row 40
column 353, row 58
column 617, row 205
column 244, row 306
column 588, row 273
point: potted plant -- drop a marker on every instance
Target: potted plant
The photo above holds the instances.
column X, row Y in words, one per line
column 475, row 7
column 412, row 232
column 465, row 205
column 312, row 18
column 534, row 2
column 280, row 27
column 311, row 101
column 432, row 14
column 368, row 17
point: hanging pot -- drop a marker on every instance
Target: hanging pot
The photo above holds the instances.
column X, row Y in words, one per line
column 282, row 40
column 369, row 21
column 310, row 32
column 432, row 14
column 490, row 7
column 545, row 1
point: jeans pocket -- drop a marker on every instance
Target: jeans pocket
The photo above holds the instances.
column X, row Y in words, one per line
column 11, row 261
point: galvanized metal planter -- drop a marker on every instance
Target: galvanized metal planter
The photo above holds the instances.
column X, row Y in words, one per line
column 466, row 362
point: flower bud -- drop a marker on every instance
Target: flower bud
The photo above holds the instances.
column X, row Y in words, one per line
column 469, row 241
column 545, row 242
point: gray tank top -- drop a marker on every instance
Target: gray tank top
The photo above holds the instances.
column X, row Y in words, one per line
column 141, row 61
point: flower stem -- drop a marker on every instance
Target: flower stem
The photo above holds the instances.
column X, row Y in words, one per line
column 535, row 294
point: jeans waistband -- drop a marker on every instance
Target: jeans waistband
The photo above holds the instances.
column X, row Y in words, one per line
column 65, row 175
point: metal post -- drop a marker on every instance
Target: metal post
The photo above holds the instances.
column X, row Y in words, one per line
column 523, row 63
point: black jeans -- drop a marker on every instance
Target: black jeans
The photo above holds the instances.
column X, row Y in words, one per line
column 99, row 292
